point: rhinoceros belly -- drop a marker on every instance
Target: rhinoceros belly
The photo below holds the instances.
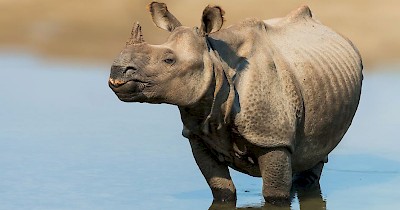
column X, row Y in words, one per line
column 233, row 150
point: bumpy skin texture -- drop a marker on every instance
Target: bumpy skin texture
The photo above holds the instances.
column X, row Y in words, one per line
column 268, row 98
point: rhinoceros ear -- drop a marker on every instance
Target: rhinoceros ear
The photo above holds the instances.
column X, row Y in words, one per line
column 162, row 17
column 212, row 19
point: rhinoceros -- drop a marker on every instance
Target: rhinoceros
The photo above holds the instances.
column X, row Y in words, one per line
column 269, row 98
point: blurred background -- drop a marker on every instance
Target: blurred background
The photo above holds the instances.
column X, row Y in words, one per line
column 67, row 142
column 97, row 29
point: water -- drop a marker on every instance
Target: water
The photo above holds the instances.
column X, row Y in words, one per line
column 67, row 142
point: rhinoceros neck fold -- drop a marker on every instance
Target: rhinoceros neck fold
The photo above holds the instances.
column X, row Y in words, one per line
column 213, row 111
column 224, row 80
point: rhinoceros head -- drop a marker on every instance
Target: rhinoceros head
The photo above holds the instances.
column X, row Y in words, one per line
column 177, row 72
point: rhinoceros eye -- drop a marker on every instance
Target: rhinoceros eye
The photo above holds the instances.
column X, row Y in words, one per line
column 169, row 61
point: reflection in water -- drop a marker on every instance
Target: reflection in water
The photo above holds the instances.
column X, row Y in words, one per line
column 309, row 199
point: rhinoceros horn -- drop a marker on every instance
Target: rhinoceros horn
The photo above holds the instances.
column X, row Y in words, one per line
column 136, row 35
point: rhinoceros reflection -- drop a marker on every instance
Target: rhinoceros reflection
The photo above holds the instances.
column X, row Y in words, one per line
column 310, row 198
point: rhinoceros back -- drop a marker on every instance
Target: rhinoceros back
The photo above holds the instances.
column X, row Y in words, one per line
column 328, row 69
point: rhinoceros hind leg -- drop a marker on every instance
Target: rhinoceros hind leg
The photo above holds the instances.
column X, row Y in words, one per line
column 308, row 178
column 276, row 171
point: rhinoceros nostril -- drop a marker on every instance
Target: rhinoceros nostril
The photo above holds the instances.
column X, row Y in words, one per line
column 130, row 70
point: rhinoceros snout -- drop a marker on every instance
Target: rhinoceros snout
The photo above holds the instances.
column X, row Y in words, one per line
column 118, row 71
column 126, row 83
column 121, row 74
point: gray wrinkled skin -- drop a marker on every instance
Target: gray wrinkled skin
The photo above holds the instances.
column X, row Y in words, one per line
column 268, row 98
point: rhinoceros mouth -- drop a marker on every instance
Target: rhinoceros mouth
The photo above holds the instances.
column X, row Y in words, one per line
column 130, row 91
column 131, row 97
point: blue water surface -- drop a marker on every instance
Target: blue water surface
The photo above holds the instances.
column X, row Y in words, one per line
column 67, row 142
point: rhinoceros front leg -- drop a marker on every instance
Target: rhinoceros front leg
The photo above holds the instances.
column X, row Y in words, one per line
column 276, row 172
column 216, row 173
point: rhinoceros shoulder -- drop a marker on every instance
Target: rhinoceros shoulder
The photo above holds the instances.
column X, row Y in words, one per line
column 243, row 27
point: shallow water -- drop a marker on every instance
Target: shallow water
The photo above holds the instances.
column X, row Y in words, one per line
column 67, row 142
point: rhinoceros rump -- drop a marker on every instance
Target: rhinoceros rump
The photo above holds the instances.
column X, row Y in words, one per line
column 268, row 98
